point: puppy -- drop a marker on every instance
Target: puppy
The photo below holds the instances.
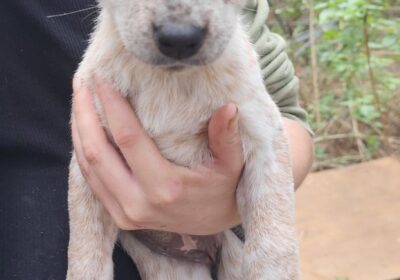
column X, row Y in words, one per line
column 177, row 61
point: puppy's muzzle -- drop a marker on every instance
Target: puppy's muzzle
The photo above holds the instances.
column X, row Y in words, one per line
column 179, row 41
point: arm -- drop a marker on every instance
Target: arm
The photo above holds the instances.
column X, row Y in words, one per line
column 301, row 150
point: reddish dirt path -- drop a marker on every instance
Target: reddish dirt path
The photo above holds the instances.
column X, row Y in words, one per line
column 349, row 222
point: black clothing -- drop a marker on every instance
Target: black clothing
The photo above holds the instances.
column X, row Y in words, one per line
column 38, row 56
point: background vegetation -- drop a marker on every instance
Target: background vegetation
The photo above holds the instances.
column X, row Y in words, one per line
column 347, row 55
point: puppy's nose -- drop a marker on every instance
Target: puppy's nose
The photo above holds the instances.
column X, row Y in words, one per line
column 179, row 41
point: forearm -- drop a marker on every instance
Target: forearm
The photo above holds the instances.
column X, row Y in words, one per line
column 301, row 150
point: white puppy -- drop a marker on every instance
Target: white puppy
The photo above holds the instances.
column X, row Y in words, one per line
column 177, row 61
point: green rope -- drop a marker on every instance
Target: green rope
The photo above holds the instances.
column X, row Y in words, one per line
column 276, row 67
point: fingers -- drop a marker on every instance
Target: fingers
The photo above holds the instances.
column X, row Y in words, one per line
column 143, row 189
column 137, row 147
column 106, row 198
column 104, row 166
column 224, row 138
column 148, row 178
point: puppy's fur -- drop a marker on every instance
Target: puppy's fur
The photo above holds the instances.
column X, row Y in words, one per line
column 174, row 101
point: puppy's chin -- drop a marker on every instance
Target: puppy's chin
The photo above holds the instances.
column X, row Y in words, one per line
column 171, row 65
column 167, row 62
column 175, row 68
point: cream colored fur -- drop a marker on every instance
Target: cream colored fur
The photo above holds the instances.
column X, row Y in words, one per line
column 173, row 107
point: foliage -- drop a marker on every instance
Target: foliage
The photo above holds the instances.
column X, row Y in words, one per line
column 359, row 66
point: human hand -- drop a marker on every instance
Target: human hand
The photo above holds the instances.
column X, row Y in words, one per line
column 138, row 186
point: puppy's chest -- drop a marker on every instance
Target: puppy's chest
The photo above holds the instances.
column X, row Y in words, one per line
column 177, row 123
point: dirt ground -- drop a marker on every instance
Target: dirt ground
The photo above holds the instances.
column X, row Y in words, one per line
column 349, row 222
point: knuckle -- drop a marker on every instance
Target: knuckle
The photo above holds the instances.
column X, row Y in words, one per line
column 134, row 216
column 170, row 194
column 91, row 154
column 158, row 200
column 125, row 138
column 123, row 224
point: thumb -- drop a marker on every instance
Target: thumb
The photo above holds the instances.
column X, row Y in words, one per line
column 224, row 138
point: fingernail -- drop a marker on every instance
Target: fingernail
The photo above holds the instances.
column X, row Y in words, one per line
column 232, row 124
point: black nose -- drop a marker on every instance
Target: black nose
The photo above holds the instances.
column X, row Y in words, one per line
column 179, row 41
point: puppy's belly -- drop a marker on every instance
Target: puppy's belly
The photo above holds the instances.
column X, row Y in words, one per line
column 189, row 149
column 197, row 249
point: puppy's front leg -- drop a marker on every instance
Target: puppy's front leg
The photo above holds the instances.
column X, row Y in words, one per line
column 266, row 201
column 92, row 232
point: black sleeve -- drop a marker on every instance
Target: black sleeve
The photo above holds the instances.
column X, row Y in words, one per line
column 38, row 56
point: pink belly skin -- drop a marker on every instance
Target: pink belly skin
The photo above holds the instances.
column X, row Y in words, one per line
column 193, row 248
